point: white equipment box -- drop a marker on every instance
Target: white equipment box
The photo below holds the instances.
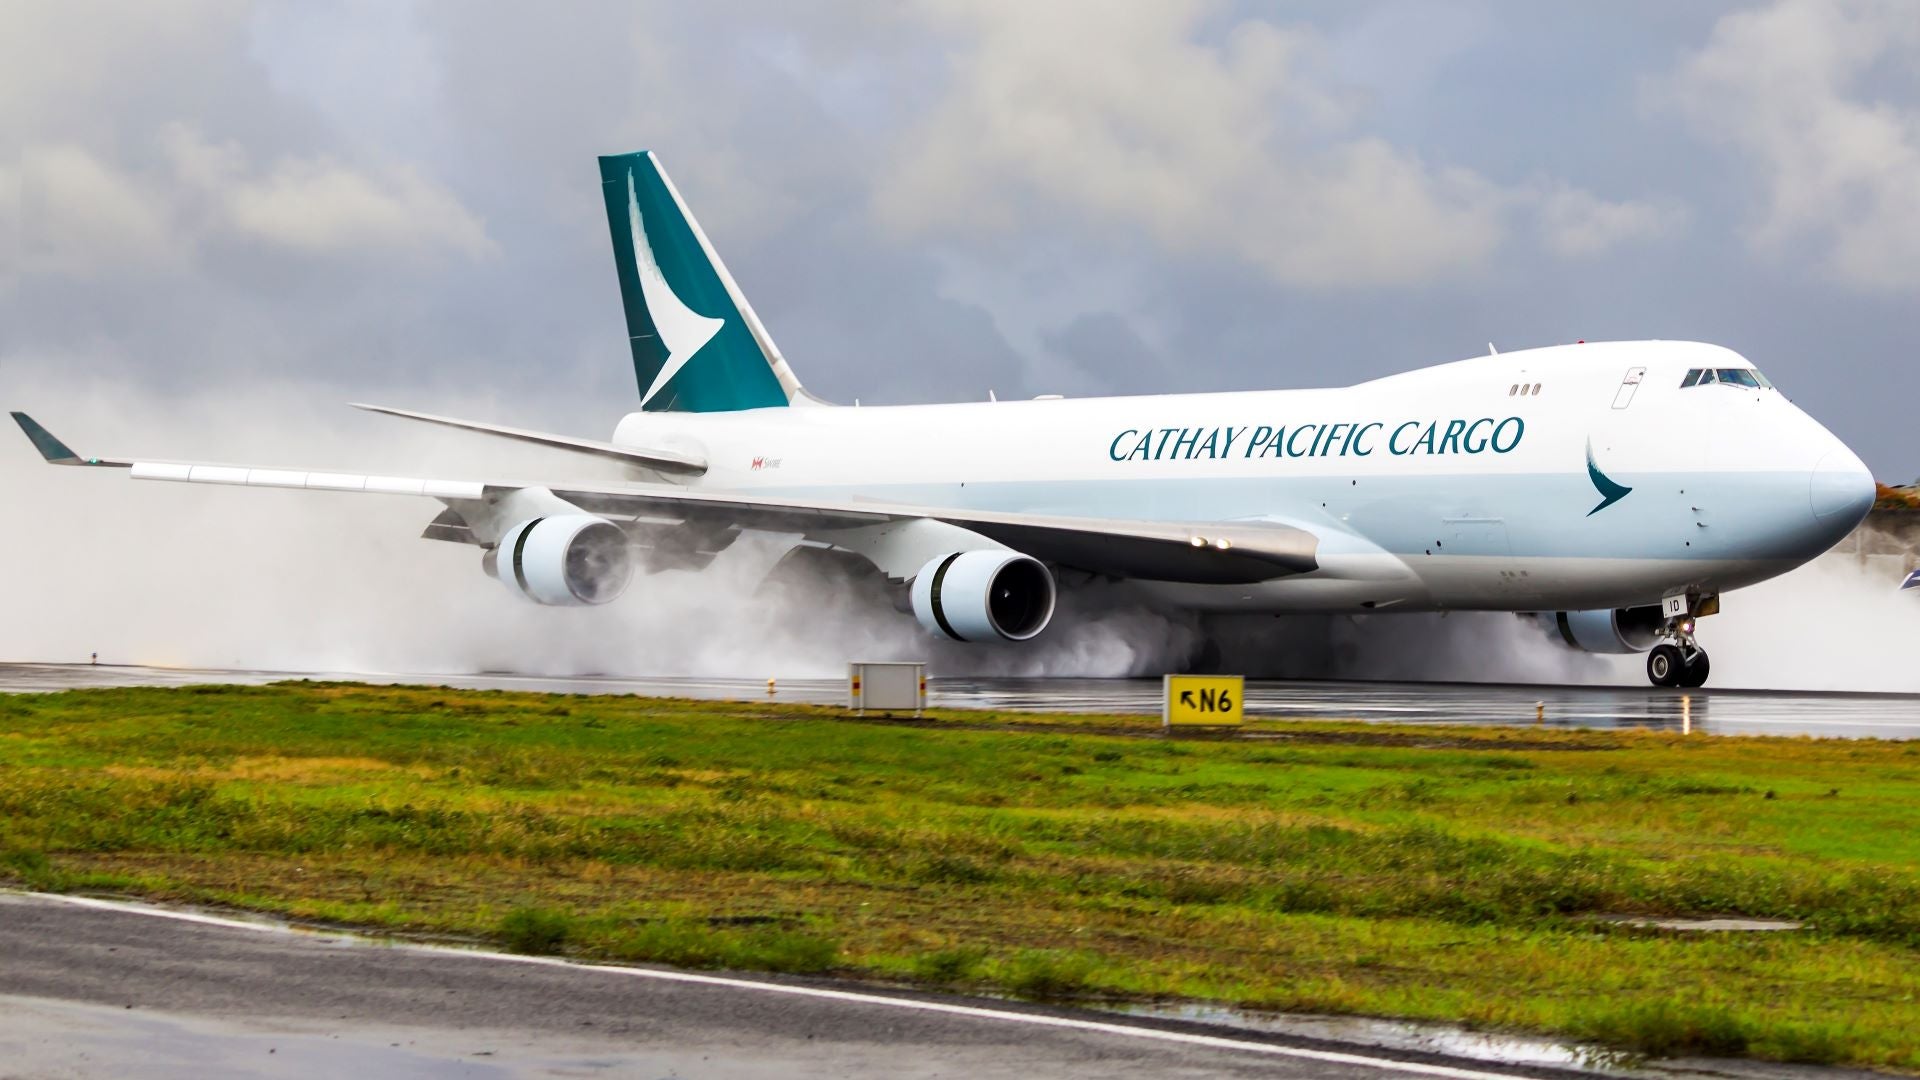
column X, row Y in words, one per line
column 888, row 687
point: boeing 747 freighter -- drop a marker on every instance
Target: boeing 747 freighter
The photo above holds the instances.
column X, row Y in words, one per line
column 1618, row 489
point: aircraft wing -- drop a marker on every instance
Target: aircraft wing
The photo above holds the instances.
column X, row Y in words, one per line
column 1218, row 553
column 1227, row 552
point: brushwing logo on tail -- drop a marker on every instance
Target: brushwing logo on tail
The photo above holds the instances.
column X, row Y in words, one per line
column 682, row 330
column 1610, row 492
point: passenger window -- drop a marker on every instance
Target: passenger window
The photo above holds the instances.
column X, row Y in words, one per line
column 1512, row 390
column 1536, row 388
column 1692, row 378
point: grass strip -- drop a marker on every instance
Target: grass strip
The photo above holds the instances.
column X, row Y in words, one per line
column 1475, row 875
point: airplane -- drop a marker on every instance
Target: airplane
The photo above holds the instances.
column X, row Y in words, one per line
column 1613, row 490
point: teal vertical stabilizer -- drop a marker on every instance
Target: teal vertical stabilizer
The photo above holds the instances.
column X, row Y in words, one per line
column 697, row 345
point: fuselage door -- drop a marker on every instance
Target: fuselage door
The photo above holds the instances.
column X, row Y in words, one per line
column 1624, row 396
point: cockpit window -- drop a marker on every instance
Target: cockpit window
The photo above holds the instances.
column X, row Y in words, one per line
column 1747, row 377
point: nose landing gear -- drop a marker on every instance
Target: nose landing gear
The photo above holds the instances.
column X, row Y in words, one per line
column 1678, row 660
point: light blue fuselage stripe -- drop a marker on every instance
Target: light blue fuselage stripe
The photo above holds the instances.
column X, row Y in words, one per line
column 1740, row 515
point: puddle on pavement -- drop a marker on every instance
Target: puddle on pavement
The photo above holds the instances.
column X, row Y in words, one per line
column 1399, row 1035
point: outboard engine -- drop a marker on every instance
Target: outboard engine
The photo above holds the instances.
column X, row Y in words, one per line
column 984, row 596
column 1607, row 630
column 568, row 560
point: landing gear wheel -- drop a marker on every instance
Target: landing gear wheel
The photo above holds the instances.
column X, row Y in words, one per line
column 1664, row 665
column 1694, row 676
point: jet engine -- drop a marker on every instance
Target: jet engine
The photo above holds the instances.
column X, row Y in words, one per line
column 567, row 560
column 984, row 596
column 1607, row 630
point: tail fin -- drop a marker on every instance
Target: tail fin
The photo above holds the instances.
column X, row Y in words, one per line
column 697, row 345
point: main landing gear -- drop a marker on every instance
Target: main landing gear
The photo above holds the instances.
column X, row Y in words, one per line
column 1678, row 660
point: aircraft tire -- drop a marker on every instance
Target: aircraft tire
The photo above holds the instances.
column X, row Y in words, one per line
column 1694, row 675
column 1663, row 665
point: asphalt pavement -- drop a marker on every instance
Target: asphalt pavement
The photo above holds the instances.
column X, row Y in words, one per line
column 101, row 989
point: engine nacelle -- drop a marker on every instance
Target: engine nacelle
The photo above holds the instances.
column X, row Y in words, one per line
column 1607, row 630
column 984, row 596
column 568, row 560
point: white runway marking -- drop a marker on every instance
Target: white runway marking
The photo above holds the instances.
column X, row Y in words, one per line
column 1007, row 1016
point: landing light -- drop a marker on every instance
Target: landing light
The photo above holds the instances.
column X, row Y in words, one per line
column 1223, row 543
column 1198, row 541
column 1686, row 626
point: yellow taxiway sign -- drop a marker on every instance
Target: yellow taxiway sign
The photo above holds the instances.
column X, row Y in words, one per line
column 1203, row 701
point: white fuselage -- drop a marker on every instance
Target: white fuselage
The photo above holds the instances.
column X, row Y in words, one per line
column 1466, row 485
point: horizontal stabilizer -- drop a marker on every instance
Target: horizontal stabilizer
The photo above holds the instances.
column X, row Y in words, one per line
column 664, row 461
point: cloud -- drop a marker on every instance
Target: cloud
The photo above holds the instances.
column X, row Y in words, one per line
column 72, row 213
column 1128, row 116
column 1790, row 88
column 1576, row 224
column 316, row 205
column 76, row 213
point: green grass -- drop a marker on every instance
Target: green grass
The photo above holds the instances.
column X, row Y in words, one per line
column 1461, row 874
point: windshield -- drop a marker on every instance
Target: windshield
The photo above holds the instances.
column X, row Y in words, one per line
column 1747, row 377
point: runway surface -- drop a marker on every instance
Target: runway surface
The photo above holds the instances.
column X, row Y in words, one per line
column 110, row 990
column 1885, row 716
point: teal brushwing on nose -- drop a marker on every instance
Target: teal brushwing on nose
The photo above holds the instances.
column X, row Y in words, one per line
column 1610, row 491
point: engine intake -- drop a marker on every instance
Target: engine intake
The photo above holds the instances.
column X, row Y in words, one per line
column 568, row 560
column 1607, row 630
column 984, row 596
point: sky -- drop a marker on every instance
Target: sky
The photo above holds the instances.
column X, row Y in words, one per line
column 931, row 200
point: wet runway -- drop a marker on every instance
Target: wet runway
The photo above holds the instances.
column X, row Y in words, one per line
column 1884, row 716
column 99, row 989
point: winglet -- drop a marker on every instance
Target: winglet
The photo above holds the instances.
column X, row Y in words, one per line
column 55, row 451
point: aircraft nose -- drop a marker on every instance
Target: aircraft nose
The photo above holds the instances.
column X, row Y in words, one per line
column 1841, row 489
